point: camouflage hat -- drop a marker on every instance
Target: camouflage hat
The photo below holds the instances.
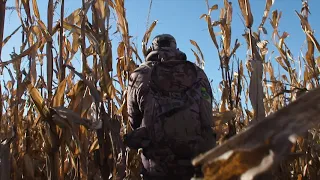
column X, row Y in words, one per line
column 163, row 40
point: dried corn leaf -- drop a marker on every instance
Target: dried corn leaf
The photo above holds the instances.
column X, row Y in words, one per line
column 256, row 90
column 304, row 22
column 18, row 57
column 120, row 63
column 103, row 12
column 66, row 125
column 223, row 117
column 135, row 51
column 35, row 9
column 269, row 3
column 147, row 36
column 246, row 12
column 264, row 144
column 72, row 117
column 195, row 44
column 244, row 164
column 214, row 7
column 198, row 60
column 228, row 8
column 313, row 39
column 38, row 100
column 86, row 104
column 211, row 32
column 74, row 17
column 279, row 60
column 17, row 6
column 26, row 6
column 75, row 29
column 94, row 146
column 59, row 94
column 75, row 42
column 44, row 31
column 93, row 90
column 282, row 38
column 8, row 37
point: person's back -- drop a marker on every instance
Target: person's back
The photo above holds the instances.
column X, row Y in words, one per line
column 169, row 106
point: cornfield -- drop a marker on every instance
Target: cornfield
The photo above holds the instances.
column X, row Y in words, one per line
column 59, row 122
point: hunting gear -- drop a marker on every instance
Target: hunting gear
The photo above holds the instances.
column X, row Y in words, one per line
column 169, row 104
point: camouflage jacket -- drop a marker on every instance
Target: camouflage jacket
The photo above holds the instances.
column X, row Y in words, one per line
column 139, row 101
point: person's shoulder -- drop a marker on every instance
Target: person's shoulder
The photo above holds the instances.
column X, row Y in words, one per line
column 143, row 70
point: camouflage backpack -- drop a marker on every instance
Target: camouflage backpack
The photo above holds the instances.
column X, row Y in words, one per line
column 176, row 93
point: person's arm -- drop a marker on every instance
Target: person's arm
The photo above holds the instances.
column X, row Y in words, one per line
column 134, row 113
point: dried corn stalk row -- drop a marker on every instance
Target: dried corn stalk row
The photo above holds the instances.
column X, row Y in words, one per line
column 66, row 123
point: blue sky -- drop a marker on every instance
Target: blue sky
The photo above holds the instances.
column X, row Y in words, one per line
column 181, row 18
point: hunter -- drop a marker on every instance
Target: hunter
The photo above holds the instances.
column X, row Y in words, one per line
column 169, row 103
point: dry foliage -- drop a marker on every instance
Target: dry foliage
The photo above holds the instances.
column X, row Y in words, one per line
column 279, row 137
column 60, row 123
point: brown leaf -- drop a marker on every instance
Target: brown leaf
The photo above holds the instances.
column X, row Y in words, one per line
column 147, row 36
column 38, row 100
column 224, row 99
column 103, row 12
column 244, row 164
column 79, row 86
column 74, row 17
column 44, row 31
column 280, row 61
column 228, row 14
column 278, row 131
column 18, row 57
column 198, row 60
column 94, row 146
column 304, row 22
column 93, row 90
column 214, row 7
column 313, row 39
column 211, row 32
column 26, row 6
column 223, row 117
column 8, row 37
column 203, row 16
column 269, row 3
column 275, row 19
column 71, row 117
column 35, row 9
column 75, row 44
column 17, row 6
column 120, row 63
column 75, row 29
column 246, row 12
column 195, row 44
column 282, row 38
column 59, row 94
column 135, row 51
column 256, row 90
column 33, row 70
